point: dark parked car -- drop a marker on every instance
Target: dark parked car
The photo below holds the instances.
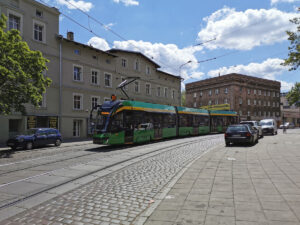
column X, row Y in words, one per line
column 241, row 133
column 36, row 137
column 256, row 125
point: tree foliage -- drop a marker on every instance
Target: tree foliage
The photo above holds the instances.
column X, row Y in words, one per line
column 21, row 72
column 293, row 59
column 293, row 96
column 183, row 98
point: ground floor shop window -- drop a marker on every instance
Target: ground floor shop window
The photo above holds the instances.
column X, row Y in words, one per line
column 76, row 128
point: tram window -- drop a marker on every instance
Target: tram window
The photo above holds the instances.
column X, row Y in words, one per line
column 117, row 122
column 169, row 120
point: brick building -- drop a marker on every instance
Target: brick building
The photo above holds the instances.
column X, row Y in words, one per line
column 251, row 97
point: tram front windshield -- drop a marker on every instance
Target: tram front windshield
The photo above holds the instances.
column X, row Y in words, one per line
column 101, row 121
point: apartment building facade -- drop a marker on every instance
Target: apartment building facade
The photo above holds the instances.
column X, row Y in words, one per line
column 251, row 97
column 81, row 75
column 289, row 113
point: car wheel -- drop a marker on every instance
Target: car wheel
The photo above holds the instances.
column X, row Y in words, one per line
column 29, row 145
column 13, row 148
column 57, row 142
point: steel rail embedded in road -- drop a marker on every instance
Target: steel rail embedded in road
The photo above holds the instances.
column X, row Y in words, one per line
column 142, row 156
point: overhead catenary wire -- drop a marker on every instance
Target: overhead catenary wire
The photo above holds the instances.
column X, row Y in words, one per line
column 107, row 28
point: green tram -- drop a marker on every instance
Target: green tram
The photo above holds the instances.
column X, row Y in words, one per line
column 127, row 122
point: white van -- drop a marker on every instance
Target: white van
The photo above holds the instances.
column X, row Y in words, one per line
column 269, row 126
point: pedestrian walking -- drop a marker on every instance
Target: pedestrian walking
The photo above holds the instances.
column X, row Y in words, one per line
column 284, row 129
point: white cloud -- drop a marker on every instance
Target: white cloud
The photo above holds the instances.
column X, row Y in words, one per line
column 286, row 86
column 72, row 4
column 171, row 58
column 245, row 30
column 109, row 26
column 273, row 2
column 127, row 2
column 268, row 69
column 99, row 43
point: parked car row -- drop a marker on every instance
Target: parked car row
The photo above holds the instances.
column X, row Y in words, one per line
column 249, row 131
column 35, row 137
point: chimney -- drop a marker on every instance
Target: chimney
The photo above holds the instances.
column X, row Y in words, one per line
column 70, row 36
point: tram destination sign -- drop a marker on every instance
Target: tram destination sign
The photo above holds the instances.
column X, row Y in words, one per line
column 216, row 107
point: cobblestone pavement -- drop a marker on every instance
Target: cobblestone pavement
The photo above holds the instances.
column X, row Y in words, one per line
column 237, row 185
column 120, row 197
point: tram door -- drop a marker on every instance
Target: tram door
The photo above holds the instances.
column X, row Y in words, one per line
column 158, row 122
column 128, row 126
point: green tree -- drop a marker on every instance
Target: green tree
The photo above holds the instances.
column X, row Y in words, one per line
column 293, row 96
column 21, row 72
column 293, row 59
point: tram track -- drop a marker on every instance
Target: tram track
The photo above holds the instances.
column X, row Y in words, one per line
column 126, row 163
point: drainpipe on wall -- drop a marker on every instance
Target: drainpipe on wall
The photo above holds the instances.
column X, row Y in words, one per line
column 60, row 82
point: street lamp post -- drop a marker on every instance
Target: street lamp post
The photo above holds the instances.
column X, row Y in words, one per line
column 182, row 78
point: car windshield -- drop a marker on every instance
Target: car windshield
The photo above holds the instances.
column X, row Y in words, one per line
column 30, row 131
column 236, row 129
column 268, row 123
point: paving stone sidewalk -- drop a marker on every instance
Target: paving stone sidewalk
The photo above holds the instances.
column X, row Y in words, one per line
column 241, row 185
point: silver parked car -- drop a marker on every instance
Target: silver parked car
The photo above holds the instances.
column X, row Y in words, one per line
column 255, row 125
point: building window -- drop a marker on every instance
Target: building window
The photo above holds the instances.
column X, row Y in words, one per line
column 77, row 101
column 148, row 89
column 255, row 114
column 148, row 70
column 195, row 95
column 259, row 102
column 249, row 102
column 259, row 113
column 201, row 93
column 225, row 101
column 14, row 22
column 136, row 65
column 39, row 32
column 76, row 128
column 254, row 102
column 158, row 91
column 265, row 93
column 259, row 92
column 241, row 112
column 124, row 63
column 265, row 113
column 248, row 113
column 166, row 92
column 269, row 104
column 265, row 103
column 95, row 78
column 173, row 94
column 42, row 103
column 273, row 104
column 77, row 73
column 217, row 91
column 195, row 104
column 107, row 80
column 241, row 88
column 273, row 93
column 226, row 91
column 39, row 13
column 216, row 102
column 277, row 94
column 136, row 86
column 95, row 101
column 249, row 91
column 269, row 93
column 77, row 51
column 209, row 102
column 241, row 101
column 254, row 91
column 209, row 92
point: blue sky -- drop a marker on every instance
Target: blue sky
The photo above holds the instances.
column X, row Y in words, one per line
column 246, row 37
